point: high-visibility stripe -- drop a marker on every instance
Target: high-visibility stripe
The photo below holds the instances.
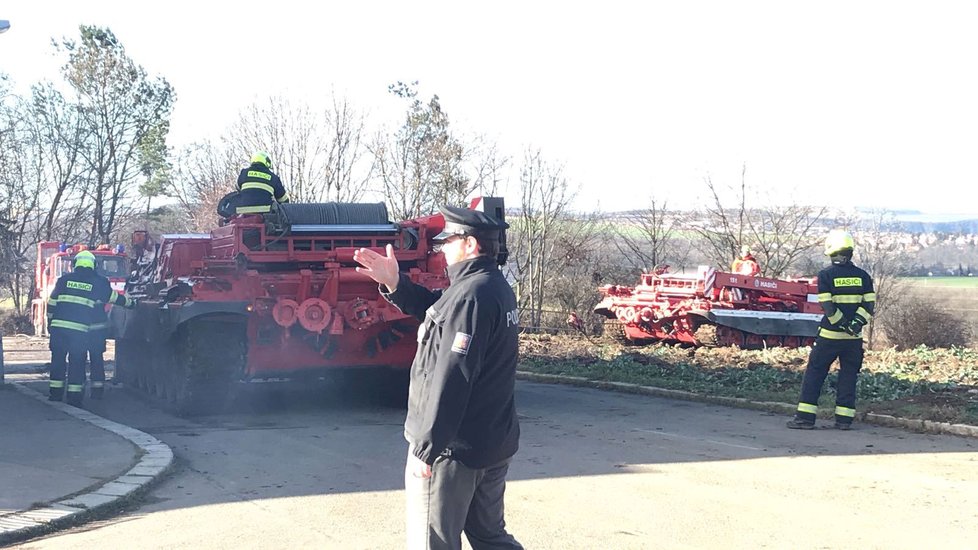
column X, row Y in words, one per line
column 847, row 298
column 835, row 317
column 845, row 411
column 98, row 384
column 75, row 388
column 70, row 325
column 807, row 408
column 97, row 326
column 68, row 298
column 861, row 311
column 252, row 209
column 833, row 335
column 824, row 296
column 869, row 297
column 52, row 301
column 259, row 175
column 258, row 185
column 56, row 384
column 285, row 198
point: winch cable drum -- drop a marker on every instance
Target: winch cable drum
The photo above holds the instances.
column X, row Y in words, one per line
column 331, row 213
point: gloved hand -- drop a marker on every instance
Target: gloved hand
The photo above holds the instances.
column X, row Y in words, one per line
column 854, row 326
column 132, row 302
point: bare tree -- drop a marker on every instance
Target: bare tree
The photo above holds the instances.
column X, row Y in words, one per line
column 545, row 197
column 879, row 252
column 320, row 156
column 421, row 166
column 207, row 172
column 645, row 238
column 780, row 235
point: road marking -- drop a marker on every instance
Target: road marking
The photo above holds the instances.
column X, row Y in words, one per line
column 660, row 432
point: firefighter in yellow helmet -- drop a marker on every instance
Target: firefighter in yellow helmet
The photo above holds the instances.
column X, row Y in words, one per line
column 72, row 311
column 846, row 295
column 259, row 186
column 745, row 264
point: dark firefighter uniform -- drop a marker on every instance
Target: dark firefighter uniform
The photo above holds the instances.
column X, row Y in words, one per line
column 98, row 332
column 72, row 310
column 259, row 187
column 846, row 295
column 461, row 409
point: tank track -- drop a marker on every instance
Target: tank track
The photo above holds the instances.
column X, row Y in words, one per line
column 193, row 373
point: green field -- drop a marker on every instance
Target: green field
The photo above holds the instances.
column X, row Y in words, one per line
column 943, row 282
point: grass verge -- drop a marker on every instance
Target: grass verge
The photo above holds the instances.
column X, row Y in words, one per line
column 924, row 384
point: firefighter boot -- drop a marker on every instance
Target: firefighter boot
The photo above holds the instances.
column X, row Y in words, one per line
column 74, row 399
column 842, row 425
column 55, row 394
column 797, row 423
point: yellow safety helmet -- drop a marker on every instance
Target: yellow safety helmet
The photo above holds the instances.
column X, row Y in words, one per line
column 837, row 241
column 85, row 259
column 261, row 157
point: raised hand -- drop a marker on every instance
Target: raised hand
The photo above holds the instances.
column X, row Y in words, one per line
column 382, row 269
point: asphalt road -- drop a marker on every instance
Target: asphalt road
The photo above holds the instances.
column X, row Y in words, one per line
column 322, row 468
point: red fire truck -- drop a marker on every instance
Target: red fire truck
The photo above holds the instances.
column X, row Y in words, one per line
column 55, row 258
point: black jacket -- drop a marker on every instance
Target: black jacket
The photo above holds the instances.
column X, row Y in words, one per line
column 259, row 187
column 461, row 400
column 844, row 292
column 78, row 300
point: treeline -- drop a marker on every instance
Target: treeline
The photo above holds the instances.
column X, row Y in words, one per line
column 86, row 159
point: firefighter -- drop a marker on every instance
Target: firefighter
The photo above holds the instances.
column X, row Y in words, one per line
column 72, row 310
column 745, row 264
column 846, row 295
column 259, row 187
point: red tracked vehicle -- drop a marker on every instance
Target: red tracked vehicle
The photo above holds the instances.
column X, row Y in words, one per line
column 272, row 296
column 714, row 308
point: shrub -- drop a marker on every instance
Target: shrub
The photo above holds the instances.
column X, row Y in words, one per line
column 914, row 321
column 12, row 323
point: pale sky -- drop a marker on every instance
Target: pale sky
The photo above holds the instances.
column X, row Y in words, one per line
column 871, row 104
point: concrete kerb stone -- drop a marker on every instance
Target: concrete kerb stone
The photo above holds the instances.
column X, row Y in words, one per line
column 155, row 461
column 924, row 426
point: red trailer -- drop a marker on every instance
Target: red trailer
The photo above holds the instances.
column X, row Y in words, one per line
column 715, row 308
column 269, row 297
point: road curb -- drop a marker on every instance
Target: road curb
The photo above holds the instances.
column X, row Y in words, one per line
column 922, row 426
column 156, row 461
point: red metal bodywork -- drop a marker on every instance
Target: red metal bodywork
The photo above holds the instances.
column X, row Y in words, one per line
column 55, row 259
column 305, row 306
column 746, row 311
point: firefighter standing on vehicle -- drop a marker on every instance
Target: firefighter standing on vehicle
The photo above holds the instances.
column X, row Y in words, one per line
column 461, row 426
column 745, row 264
column 259, row 187
column 72, row 311
column 846, row 295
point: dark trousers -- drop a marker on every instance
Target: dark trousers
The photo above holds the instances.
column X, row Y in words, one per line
column 824, row 352
column 96, row 358
column 67, row 374
column 454, row 499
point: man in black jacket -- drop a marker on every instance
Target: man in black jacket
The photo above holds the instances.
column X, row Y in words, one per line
column 846, row 295
column 72, row 310
column 259, row 187
column 461, row 424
